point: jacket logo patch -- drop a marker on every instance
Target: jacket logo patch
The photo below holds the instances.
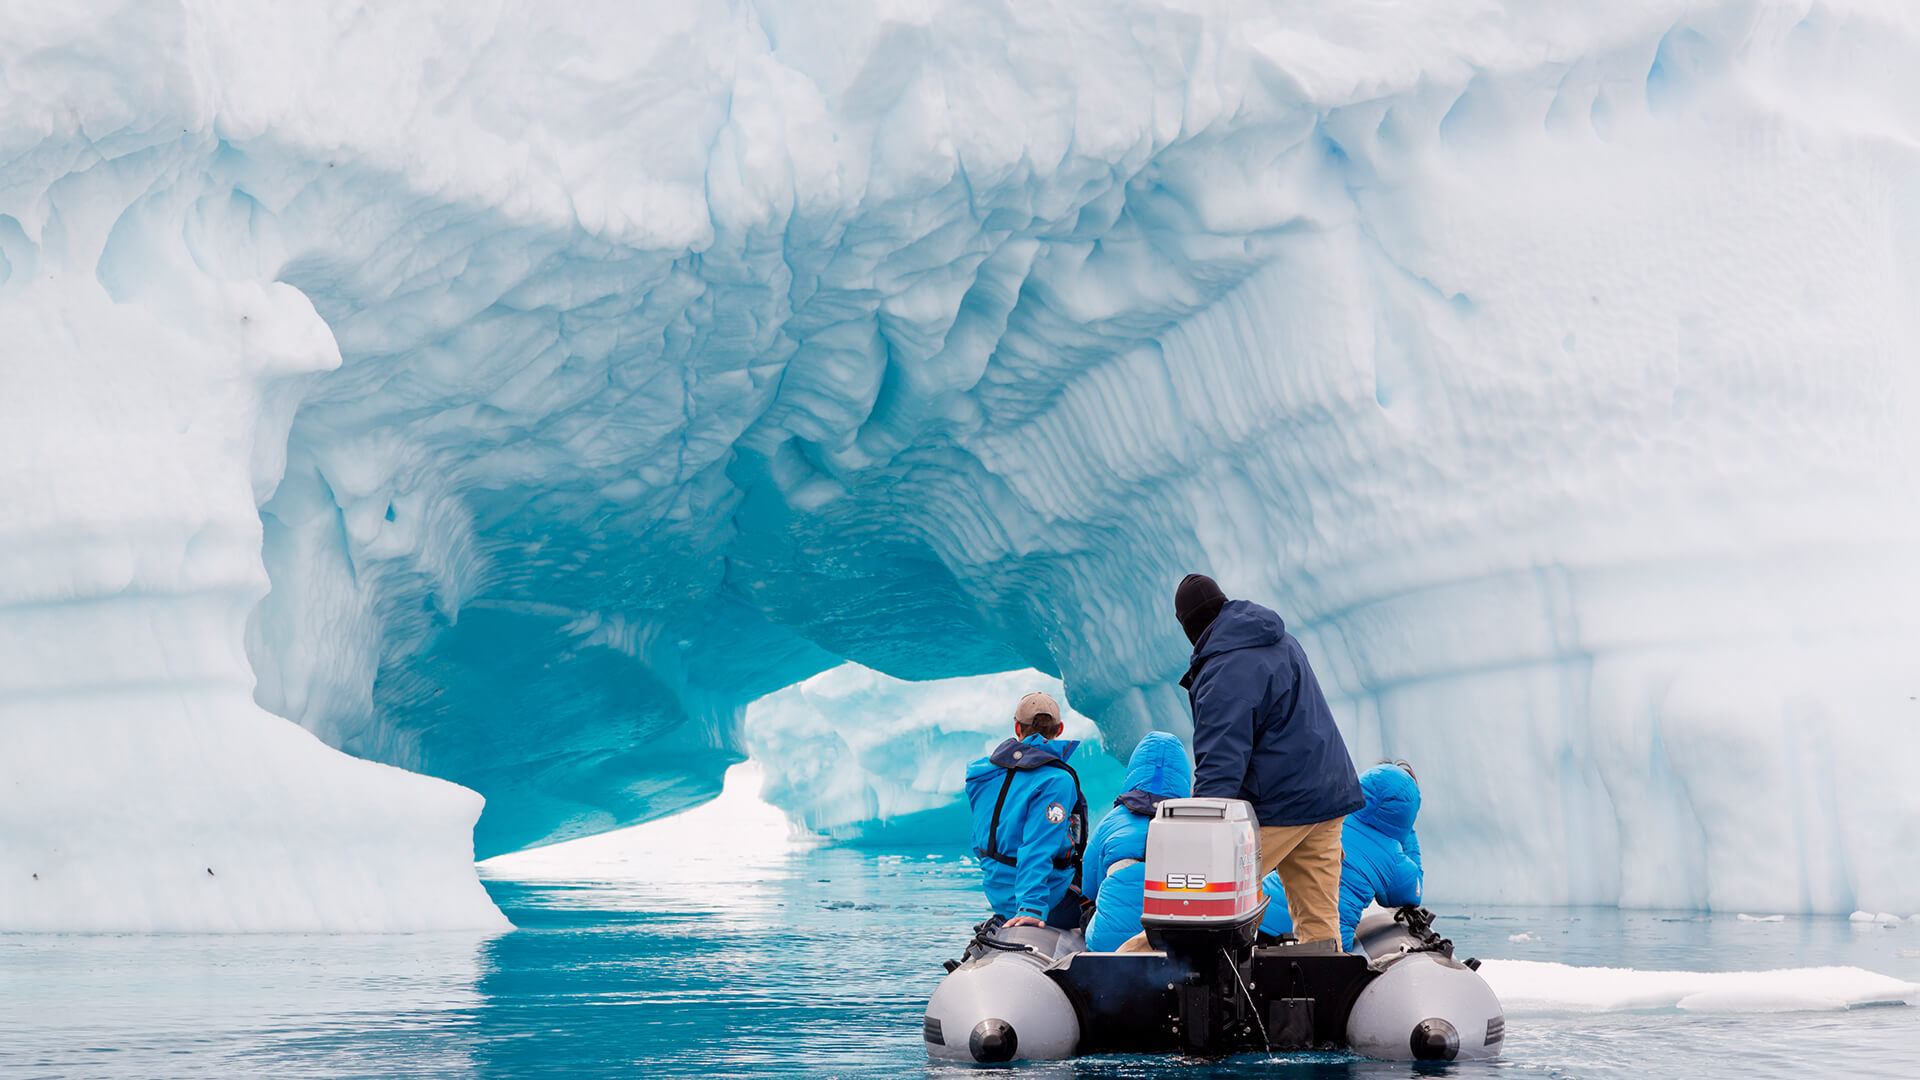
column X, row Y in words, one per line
column 1056, row 813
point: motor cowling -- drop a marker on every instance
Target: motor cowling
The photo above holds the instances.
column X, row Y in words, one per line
column 1203, row 867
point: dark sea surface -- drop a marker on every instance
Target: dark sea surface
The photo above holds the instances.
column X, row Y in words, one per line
column 818, row 962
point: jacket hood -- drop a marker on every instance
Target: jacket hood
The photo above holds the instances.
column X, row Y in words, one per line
column 1032, row 752
column 1241, row 624
column 1393, row 800
column 1159, row 767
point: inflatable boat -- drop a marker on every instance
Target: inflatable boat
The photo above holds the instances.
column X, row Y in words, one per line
column 1209, row 987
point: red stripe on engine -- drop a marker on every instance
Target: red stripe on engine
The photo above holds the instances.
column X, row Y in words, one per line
column 1218, row 886
column 1163, row 905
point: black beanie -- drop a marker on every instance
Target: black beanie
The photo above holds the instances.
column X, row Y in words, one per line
column 1196, row 603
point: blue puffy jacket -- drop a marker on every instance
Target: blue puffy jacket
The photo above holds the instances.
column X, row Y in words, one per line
column 1261, row 728
column 1157, row 770
column 1382, row 855
column 1028, row 860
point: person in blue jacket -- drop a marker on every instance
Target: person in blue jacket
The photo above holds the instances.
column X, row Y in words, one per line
column 1382, row 854
column 1115, row 873
column 1030, row 820
column 1262, row 732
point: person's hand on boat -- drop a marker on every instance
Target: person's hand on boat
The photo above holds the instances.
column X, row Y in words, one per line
column 1024, row 920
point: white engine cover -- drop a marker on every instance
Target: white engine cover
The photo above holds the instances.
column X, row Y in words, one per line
column 1203, row 864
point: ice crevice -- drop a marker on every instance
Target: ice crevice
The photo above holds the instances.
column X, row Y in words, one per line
column 397, row 413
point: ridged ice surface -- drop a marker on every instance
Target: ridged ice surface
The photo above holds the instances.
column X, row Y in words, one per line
column 512, row 394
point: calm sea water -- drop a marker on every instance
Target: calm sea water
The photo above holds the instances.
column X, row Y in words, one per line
column 818, row 963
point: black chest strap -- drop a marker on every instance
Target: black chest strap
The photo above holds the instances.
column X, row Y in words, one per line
column 1076, row 829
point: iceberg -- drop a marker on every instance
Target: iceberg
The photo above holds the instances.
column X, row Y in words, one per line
column 865, row 758
column 758, row 841
column 399, row 412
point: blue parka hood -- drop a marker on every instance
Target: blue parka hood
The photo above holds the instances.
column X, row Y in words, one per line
column 1157, row 770
column 1393, row 800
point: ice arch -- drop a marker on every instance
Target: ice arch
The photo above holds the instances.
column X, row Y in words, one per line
column 513, row 396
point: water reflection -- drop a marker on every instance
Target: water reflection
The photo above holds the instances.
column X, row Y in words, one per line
column 820, row 968
column 809, row 962
column 822, row 965
column 236, row 1005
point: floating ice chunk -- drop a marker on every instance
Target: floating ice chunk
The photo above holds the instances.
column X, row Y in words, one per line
column 1523, row 936
column 1527, row 986
column 1866, row 918
column 734, row 838
column 1744, row 917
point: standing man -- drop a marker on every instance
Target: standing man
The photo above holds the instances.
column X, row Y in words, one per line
column 1030, row 820
column 1262, row 732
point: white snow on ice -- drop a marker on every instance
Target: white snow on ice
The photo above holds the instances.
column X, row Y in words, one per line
column 733, row 838
column 1868, row 918
column 1526, row 986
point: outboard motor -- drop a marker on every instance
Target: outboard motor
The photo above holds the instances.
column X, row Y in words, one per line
column 1035, row 993
column 1423, row 1004
column 996, row 1004
column 1202, row 908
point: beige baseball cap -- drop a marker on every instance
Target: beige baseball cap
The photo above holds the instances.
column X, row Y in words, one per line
column 1033, row 705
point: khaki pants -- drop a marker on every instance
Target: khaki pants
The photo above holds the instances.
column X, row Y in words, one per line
column 1308, row 857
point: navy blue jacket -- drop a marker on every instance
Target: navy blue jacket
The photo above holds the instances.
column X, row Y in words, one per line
column 1157, row 770
column 1028, row 861
column 1382, row 855
column 1261, row 728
